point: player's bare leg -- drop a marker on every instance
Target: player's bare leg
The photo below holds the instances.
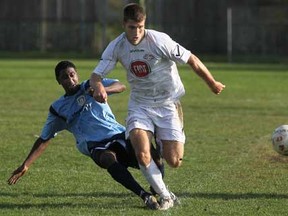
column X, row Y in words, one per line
column 172, row 152
column 141, row 140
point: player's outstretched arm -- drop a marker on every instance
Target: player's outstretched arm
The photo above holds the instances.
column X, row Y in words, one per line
column 99, row 93
column 202, row 71
column 39, row 146
column 20, row 171
column 116, row 87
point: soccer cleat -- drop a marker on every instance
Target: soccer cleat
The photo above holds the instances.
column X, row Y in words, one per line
column 151, row 202
column 153, row 191
column 175, row 199
column 166, row 203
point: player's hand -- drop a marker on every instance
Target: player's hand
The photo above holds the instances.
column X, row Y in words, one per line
column 217, row 87
column 100, row 94
column 20, row 171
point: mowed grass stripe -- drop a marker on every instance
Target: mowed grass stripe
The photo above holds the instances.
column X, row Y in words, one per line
column 229, row 166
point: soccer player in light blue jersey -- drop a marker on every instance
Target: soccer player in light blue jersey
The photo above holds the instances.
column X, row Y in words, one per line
column 96, row 131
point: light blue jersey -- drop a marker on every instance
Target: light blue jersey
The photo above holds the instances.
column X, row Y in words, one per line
column 86, row 119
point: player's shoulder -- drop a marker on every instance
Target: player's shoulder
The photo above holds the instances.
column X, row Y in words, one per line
column 118, row 41
column 56, row 104
column 62, row 100
column 157, row 36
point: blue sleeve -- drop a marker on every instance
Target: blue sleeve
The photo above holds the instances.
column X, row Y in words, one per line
column 107, row 82
column 53, row 125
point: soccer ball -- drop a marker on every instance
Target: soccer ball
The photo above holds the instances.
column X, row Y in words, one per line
column 280, row 139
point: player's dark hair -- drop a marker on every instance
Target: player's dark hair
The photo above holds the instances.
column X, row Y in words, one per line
column 134, row 12
column 63, row 65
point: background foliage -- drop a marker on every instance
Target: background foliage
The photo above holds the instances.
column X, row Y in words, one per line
column 259, row 27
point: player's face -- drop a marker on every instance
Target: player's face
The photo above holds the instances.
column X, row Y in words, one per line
column 134, row 31
column 69, row 80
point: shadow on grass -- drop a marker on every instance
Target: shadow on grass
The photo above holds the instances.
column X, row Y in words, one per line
column 72, row 200
column 119, row 204
column 231, row 196
column 67, row 195
column 93, row 205
column 224, row 196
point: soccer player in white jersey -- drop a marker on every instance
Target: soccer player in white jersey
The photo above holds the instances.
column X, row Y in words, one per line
column 97, row 133
column 150, row 58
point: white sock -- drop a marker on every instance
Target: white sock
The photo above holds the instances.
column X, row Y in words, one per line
column 154, row 178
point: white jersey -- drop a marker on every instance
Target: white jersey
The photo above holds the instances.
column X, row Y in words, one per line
column 151, row 67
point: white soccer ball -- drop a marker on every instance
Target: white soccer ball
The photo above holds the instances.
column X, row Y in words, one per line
column 280, row 140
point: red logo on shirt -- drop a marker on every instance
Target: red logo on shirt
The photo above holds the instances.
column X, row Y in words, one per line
column 140, row 68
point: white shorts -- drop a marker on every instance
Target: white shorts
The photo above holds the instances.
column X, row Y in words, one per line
column 164, row 121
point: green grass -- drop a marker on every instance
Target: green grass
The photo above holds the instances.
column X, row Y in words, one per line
column 229, row 166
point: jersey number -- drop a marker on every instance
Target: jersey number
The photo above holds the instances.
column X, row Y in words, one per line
column 178, row 51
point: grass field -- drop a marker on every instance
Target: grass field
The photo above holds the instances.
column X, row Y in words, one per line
column 229, row 166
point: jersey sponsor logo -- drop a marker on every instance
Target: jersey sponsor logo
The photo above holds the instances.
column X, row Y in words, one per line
column 81, row 100
column 148, row 57
column 140, row 68
column 136, row 50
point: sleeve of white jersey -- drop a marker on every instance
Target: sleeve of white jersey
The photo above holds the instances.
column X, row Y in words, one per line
column 107, row 61
column 173, row 50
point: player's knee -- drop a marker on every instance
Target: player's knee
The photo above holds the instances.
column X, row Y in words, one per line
column 143, row 158
column 173, row 153
column 106, row 159
column 174, row 162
